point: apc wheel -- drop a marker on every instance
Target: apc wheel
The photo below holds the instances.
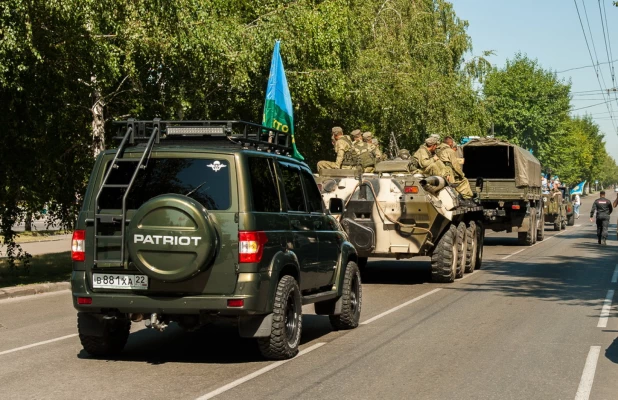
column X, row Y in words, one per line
column 109, row 338
column 480, row 239
column 445, row 256
column 472, row 247
column 352, row 300
column 287, row 322
column 540, row 232
column 527, row 238
column 462, row 244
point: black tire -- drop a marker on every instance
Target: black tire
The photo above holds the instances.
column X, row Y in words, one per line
column 563, row 223
column 471, row 250
column 557, row 223
column 362, row 263
column 352, row 300
column 111, row 338
column 444, row 258
column 540, row 233
column 528, row 238
column 462, row 244
column 571, row 220
column 480, row 239
column 287, row 322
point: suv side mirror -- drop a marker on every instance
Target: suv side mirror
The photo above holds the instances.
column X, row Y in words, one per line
column 479, row 184
column 335, row 206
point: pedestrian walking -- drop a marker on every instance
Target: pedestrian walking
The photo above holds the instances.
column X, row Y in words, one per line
column 576, row 203
column 603, row 208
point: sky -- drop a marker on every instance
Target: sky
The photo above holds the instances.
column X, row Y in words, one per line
column 550, row 31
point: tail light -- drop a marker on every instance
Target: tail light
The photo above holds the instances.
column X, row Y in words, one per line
column 410, row 189
column 78, row 246
column 515, row 207
column 235, row 303
column 84, row 300
column 251, row 246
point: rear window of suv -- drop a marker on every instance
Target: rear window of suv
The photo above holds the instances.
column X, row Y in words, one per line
column 204, row 180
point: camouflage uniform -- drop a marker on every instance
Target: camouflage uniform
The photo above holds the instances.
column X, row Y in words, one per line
column 374, row 145
column 455, row 174
column 342, row 146
column 424, row 160
column 366, row 155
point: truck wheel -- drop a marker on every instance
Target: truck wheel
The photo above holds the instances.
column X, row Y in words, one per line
column 445, row 256
column 480, row 239
column 462, row 244
column 472, row 248
column 571, row 220
column 351, row 300
column 540, row 232
column 287, row 322
column 102, row 338
column 527, row 238
column 563, row 225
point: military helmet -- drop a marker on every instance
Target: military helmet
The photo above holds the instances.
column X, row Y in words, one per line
column 367, row 136
column 337, row 130
column 356, row 133
column 403, row 154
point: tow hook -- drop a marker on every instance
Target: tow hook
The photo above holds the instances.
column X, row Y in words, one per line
column 155, row 322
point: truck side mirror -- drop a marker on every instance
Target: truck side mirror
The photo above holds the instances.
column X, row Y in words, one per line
column 479, row 184
column 335, row 206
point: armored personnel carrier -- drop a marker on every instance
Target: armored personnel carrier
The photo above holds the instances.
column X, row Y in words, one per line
column 394, row 214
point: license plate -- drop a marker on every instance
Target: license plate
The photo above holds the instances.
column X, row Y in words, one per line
column 119, row 281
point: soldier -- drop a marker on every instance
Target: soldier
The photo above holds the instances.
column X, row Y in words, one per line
column 368, row 138
column 457, row 149
column 455, row 172
column 365, row 152
column 426, row 159
column 403, row 154
column 603, row 208
column 342, row 146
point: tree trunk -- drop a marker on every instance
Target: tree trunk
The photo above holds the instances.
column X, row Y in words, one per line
column 28, row 223
column 98, row 120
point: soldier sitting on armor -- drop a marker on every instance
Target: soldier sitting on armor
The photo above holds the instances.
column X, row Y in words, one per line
column 374, row 145
column 343, row 148
column 432, row 160
column 364, row 152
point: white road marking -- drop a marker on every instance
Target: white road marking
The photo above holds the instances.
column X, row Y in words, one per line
column 526, row 248
column 607, row 306
column 615, row 276
column 38, row 344
column 512, row 254
column 585, row 384
column 407, row 303
column 257, row 373
column 577, row 226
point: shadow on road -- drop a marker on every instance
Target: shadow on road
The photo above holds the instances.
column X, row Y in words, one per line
column 394, row 272
column 213, row 344
column 611, row 353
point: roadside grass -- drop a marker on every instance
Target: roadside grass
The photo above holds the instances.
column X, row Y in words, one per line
column 38, row 236
column 44, row 268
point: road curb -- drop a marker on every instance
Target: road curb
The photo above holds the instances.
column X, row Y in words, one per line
column 29, row 290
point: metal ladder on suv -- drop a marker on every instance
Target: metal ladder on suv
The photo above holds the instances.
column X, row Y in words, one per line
column 129, row 138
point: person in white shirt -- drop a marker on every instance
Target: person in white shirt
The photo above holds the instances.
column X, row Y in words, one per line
column 576, row 204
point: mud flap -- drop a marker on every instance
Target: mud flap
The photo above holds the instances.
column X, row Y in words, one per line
column 525, row 224
column 91, row 324
column 254, row 326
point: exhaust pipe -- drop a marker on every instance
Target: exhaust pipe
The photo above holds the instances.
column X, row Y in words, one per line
column 136, row 317
column 433, row 184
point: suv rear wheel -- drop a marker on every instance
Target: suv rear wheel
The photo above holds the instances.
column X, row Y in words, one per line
column 287, row 322
column 352, row 300
column 102, row 338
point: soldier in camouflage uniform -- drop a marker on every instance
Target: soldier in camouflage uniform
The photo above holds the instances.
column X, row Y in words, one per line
column 455, row 174
column 368, row 138
column 427, row 162
column 364, row 152
column 342, row 146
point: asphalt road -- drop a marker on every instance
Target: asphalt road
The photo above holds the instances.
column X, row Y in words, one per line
column 533, row 323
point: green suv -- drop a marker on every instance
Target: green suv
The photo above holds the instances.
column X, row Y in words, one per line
column 197, row 221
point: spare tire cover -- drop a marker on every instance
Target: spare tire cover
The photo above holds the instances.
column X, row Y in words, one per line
column 171, row 238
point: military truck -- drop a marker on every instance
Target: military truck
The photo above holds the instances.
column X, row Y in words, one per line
column 195, row 222
column 568, row 205
column 555, row 209
column 507, row 180
column 392, row 213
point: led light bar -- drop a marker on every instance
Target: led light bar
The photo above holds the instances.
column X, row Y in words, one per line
column 196, row 130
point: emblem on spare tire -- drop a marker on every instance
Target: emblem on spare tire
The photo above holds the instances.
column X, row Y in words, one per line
column 161, row 239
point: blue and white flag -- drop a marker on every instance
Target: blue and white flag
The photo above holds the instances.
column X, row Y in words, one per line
column 579, row 189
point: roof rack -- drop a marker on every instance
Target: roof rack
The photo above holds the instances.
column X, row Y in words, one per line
column 243, row 133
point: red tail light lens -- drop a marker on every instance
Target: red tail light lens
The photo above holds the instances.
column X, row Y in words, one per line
column 84, row 300
column 251, row 246
column 235, row 303
column 78, row 246
column 515, row 207
column 410, row 189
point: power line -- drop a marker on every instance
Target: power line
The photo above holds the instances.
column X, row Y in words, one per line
column 592, row 60
column 584, row 66
column 608, row 48
column 594, row 105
